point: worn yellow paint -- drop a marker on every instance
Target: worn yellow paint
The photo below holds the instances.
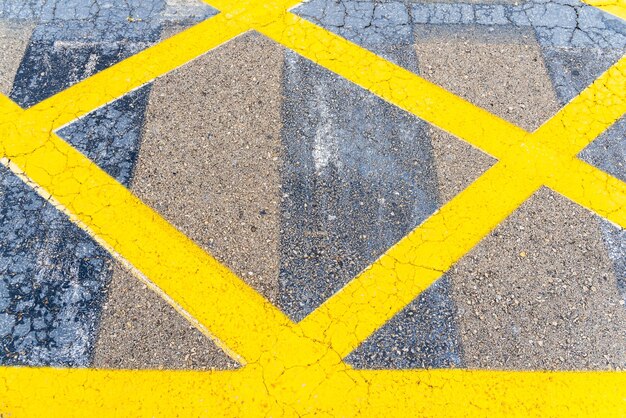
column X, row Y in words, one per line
column 296, row 369
column 615, row 7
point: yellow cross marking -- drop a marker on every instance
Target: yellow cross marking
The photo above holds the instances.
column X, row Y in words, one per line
column 296, row 369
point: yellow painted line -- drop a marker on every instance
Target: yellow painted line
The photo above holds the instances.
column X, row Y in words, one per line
column 51, row 392
column 258, row 12
column 408, row 268
column 237, row 315
column 483, row 393
column 33, row 392
column 288, row 373
column 411, row 266
column 615, row 7
column 588, row 115
column 593, row 189
column 410, row 92
column 135, row 71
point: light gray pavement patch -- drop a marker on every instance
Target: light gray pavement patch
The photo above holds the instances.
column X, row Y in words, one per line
column 499, row 69
column 385, row 27
column 13, row 42
column 155, row 13
column 539, row 293
column 560, row 23
column 209, row 161
column 139, row 330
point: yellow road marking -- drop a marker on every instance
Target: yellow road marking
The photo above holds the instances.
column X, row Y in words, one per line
column 289, row 373
column 615, row 7
column 594, row 190
column 135, row 71
column 199, row 284
column 408, row 268
column 429, row 393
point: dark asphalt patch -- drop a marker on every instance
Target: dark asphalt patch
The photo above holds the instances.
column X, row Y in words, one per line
column 358, row 176
column 55, row 275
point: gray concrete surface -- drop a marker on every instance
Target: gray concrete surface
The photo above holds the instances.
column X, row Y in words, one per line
column 499, row 69
column 213, row 169
column 13, row 42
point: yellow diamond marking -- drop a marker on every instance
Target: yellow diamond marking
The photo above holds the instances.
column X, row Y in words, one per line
column 295, row 369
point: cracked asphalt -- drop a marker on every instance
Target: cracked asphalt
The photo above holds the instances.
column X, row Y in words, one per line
column 348, row 208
